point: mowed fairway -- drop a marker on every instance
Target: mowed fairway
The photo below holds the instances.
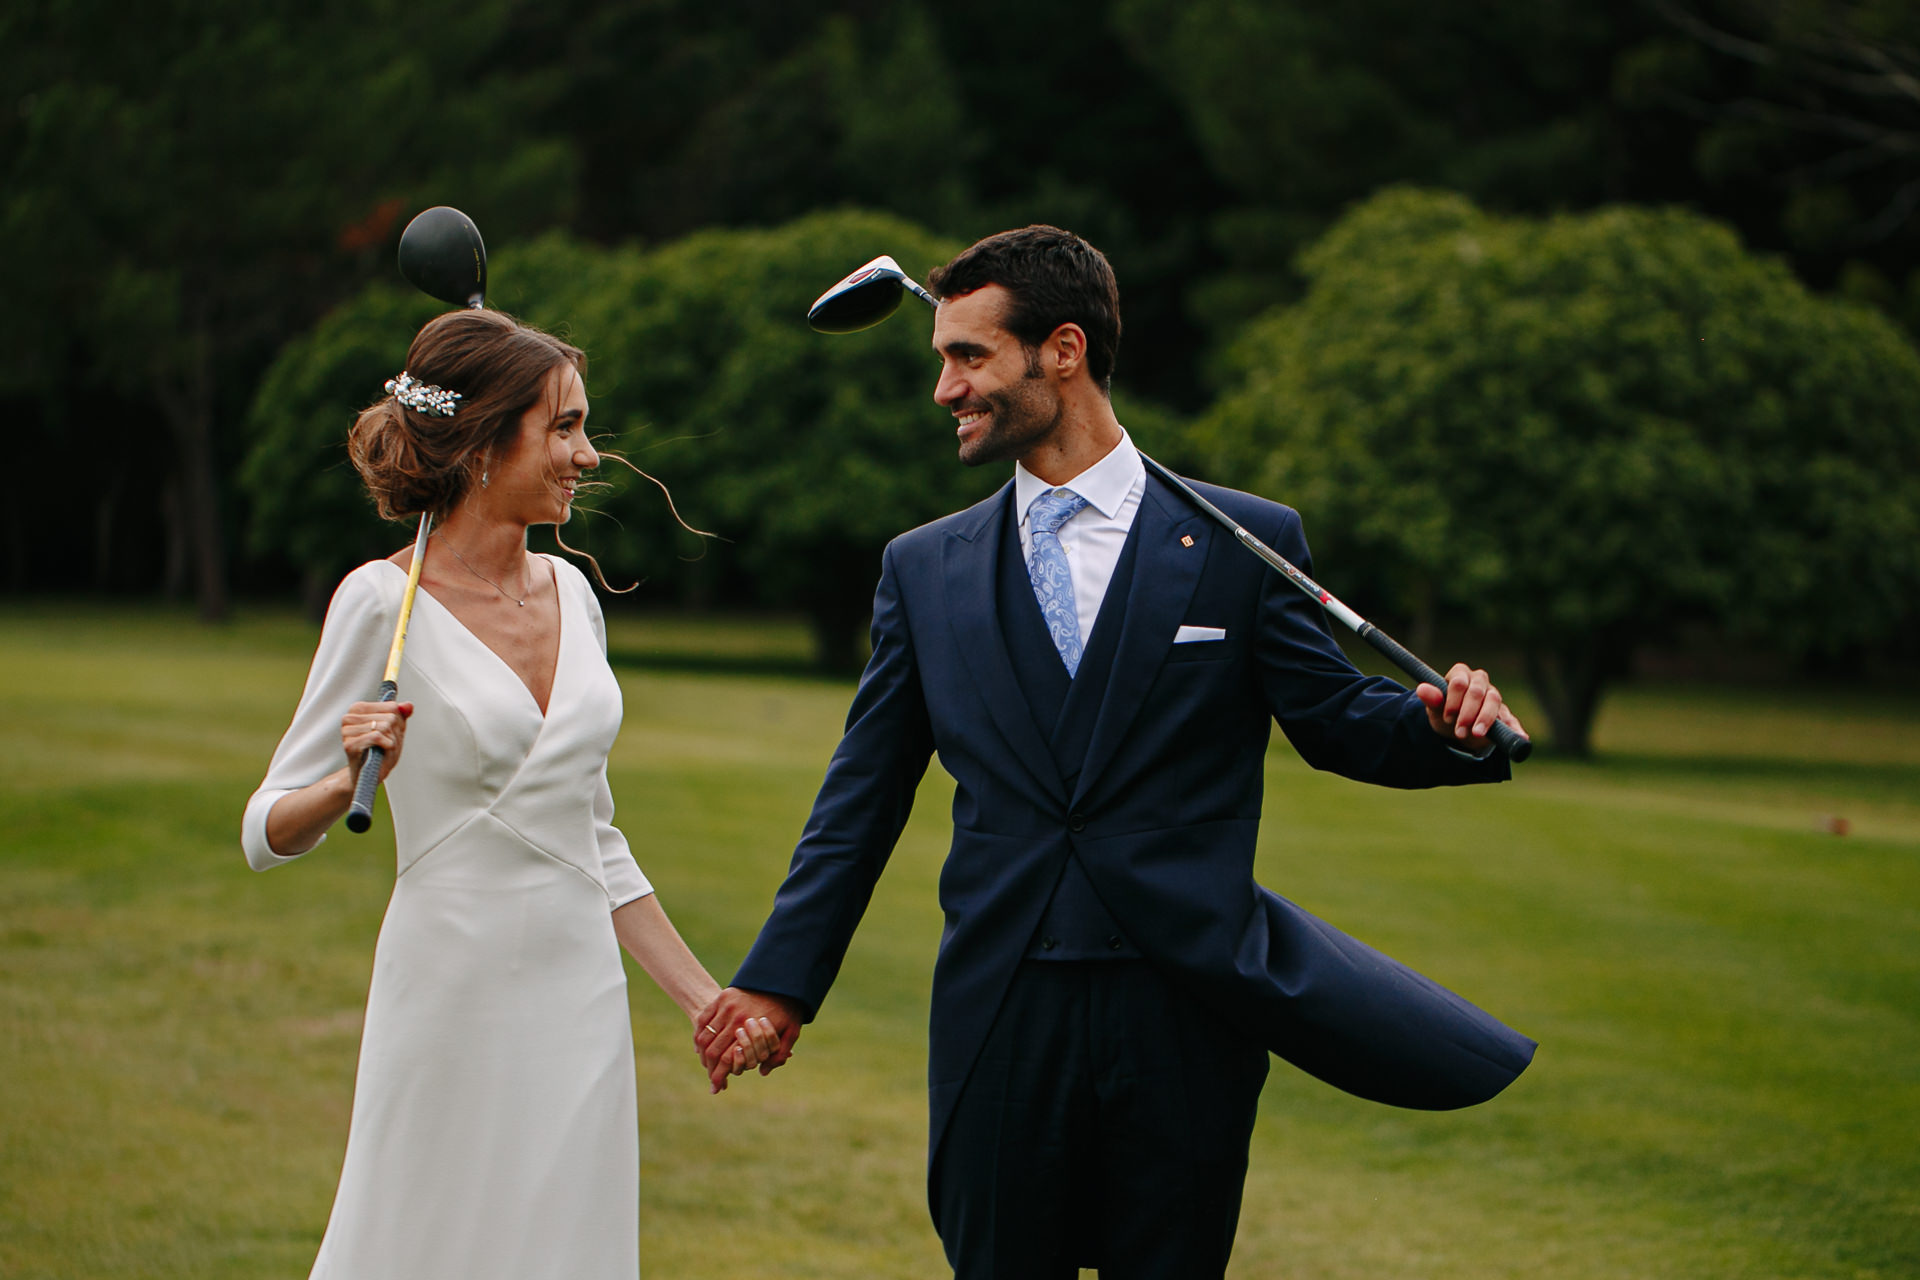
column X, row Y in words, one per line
column 1727, row 997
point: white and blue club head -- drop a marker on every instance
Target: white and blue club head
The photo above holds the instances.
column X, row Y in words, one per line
column 864, row 298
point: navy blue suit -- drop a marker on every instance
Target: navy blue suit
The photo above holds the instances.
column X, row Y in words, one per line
column 1162, row 814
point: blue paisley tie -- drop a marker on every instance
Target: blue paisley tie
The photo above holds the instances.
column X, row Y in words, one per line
column 1047, row 566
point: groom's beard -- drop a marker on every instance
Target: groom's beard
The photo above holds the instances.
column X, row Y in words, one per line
column 1020, row 417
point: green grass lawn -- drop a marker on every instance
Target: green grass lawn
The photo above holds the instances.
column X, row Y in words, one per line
column 1727, row 997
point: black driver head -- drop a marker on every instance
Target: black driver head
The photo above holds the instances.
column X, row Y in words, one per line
column 441, row 254
column 862, row 300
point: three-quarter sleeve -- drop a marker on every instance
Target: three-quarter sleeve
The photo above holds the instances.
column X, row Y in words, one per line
column 618, row 870
column 346, row 669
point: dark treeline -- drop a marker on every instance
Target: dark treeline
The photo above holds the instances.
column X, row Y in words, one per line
column 190, row 185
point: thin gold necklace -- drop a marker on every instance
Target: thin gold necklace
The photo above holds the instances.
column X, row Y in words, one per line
column 505, row 594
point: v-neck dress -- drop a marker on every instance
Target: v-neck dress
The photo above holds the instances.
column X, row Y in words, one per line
column 494, row 1131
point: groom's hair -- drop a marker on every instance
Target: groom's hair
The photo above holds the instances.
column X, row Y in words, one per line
column 1054, row 278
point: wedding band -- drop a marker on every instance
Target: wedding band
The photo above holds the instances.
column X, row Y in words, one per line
column 715, row 1030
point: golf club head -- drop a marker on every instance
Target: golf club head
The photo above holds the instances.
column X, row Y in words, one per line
column 862, row 300
column 441, row 254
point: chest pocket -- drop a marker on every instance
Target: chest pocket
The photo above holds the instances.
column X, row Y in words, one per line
column 1199, row 651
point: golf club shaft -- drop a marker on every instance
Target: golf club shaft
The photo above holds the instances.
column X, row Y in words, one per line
column 883, row 274
column 360, row 813
column 1517, row 746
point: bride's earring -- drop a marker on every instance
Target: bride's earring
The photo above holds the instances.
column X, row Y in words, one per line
column 483, row 479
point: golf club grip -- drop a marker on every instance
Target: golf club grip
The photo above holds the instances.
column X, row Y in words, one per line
column 360, row 812
column 1516, row 746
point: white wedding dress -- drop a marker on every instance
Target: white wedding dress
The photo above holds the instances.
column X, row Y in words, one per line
column 494, row 1130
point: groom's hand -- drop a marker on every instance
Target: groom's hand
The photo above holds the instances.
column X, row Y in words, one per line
column 730, row 1010
column 1466, row 709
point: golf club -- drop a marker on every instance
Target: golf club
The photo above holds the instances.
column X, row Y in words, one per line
column 360, row 813
column 873, row 293
column 864, row 298
column 442, row 255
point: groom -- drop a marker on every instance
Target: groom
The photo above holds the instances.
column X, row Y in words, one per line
column 1099, row 667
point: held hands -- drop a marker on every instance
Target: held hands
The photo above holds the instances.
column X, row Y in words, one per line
column 374, row 724
column 753, row 1044
column 772, row 1022
column 1467, row 709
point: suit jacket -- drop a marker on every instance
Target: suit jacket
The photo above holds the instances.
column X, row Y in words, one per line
column 1162, row 815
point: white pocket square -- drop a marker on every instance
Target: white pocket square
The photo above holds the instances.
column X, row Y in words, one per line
column 1190, row 635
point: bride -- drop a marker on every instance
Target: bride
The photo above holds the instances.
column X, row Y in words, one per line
column 494, row 1124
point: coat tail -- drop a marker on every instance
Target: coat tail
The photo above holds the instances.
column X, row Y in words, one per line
column 1363, row 1022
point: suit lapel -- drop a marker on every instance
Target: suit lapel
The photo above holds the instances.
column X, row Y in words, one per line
column 1164, row 577
column 969, row 558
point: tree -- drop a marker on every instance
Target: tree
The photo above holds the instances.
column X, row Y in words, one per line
column 188, row 183
column 1302, row 108
column 806, row 453
column 1796, row 121
column 1806, row 116
column 307, row 504
column 691, row 115
column 803, row 453
column 1584, row 431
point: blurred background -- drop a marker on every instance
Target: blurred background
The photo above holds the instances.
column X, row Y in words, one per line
column 1581, row 334
column 1639, row 280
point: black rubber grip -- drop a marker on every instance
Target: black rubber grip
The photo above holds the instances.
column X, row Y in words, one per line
column 1516, row 745
column 360, row 812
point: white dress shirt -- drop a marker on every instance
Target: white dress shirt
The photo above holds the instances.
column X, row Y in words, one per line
column 1095, row 535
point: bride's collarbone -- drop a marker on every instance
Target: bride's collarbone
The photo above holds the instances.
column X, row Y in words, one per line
column 525, row 637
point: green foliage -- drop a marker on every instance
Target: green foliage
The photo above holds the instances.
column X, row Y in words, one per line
column 1301, row 108
column 1299, row 104
column 1803, row 117
column 306, row 501
column 789, row 425
column 228, row 158
column 1585, row 430
column 804, row 453
column 187, row 187
column 691, row 115
column 807, row 453
column 186, row 184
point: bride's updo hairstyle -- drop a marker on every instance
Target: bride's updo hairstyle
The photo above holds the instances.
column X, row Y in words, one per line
column 414, row 460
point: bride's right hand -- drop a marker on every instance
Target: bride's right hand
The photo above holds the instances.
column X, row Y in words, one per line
column 754, row 1042
column 374, row 724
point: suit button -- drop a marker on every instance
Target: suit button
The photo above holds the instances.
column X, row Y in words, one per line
column 1048, row 944
column 1114, row 943
column 1077, row 822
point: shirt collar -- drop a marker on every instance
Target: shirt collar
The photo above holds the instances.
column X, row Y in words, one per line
column 1105, row 484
